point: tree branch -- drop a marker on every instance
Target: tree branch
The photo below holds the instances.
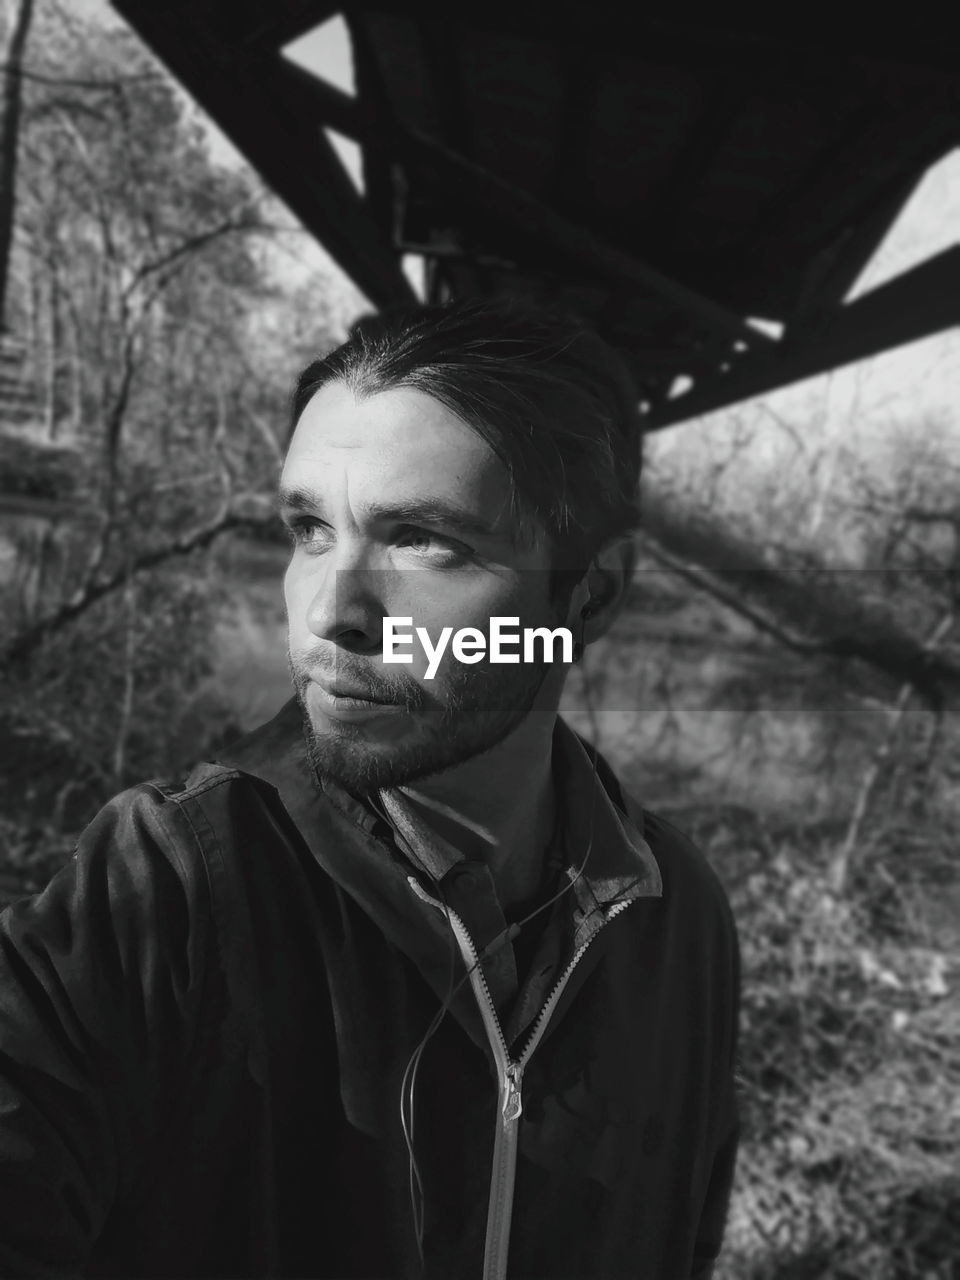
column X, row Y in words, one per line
column 840, row 865
column 703, row 581
column 20, row 649
column 900, row 657
column 809, row 608
column 186, row 247
column 58, row 82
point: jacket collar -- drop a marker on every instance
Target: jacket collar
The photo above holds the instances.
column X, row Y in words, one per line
column 609, row 859
column 599, row 832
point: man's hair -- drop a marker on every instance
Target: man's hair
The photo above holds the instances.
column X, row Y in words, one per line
column 556, row 405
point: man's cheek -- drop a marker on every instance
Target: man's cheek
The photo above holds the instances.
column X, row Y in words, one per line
column 290, row 599
column 297, row 599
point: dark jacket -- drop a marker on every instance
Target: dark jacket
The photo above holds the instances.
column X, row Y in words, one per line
column 206, row 1017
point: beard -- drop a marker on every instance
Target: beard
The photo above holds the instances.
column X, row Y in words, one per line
column 476, row 708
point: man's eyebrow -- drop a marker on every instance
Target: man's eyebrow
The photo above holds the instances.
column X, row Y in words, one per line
column 432, row 511
column 297, row 500
column 426, row 511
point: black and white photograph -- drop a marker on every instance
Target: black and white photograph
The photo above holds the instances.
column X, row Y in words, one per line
column 479, row 642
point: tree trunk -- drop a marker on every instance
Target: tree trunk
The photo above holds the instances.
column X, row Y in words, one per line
column 76, row 367
column 812, row 610
column 20, row 14
column 52, row 353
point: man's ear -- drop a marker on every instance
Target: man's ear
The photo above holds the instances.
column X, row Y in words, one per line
column 600, row 595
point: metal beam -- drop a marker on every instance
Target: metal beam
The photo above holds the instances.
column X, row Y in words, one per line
column 502, row 215
column 920, row 302
column 834, row 270
column 440, row 42
column 336, row 109
column 247, row 98
column 582, row 76
column 612, row 26
column 279, row 28
column 882, row 149
column 724, row 95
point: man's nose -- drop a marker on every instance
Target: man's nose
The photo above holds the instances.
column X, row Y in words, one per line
column 346, row 609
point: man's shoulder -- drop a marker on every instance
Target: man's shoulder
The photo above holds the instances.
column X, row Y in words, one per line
column 141, row 878
column 668, row 840
column 218, row 816
column 168, row 831
column 156, row 803
column 687, row 872
column 217, row 787
column 699, row 918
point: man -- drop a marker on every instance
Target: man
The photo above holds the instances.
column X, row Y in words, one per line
column 404, row 984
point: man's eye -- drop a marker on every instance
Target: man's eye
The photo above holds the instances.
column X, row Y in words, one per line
column 304, row 531
column 425, row 543
column 420, row 541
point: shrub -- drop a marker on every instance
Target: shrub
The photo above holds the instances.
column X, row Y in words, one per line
column 120, row 695
column 850, row 1071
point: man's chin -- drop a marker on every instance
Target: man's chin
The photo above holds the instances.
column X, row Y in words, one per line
column 365, row 767
column 364, row 758
column 395, row 750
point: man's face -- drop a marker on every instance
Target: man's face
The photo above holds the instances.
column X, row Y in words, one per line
column 397, row 508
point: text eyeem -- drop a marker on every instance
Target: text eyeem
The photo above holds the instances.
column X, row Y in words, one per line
column 470, row 645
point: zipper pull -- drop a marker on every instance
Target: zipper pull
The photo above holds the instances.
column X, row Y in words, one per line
column 512, row 1099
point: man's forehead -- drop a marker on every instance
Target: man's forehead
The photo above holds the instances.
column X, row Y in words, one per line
column 400, row 438
column 400, row 451
column 336, row 418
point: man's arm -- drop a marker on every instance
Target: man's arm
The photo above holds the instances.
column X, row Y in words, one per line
column 100, row 981
column 713, row 1218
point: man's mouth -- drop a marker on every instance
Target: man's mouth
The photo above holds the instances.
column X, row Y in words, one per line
column 339, row 700
column 345, row 691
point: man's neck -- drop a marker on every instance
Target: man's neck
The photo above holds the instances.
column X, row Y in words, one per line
column 498, row 807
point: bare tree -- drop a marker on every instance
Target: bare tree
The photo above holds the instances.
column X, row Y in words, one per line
column 19, row 16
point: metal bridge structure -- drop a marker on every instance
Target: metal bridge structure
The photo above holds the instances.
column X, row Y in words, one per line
column 669, row 178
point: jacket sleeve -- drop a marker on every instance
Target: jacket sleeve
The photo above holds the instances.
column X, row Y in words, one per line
column 713, row 1217
column 100, row 981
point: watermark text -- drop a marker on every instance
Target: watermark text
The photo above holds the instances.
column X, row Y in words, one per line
column 470, row 645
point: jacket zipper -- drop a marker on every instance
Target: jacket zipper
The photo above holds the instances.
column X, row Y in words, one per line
column 510, row 1080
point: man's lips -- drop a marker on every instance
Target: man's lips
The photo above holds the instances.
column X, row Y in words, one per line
column 341, row 701
column 341, row 689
